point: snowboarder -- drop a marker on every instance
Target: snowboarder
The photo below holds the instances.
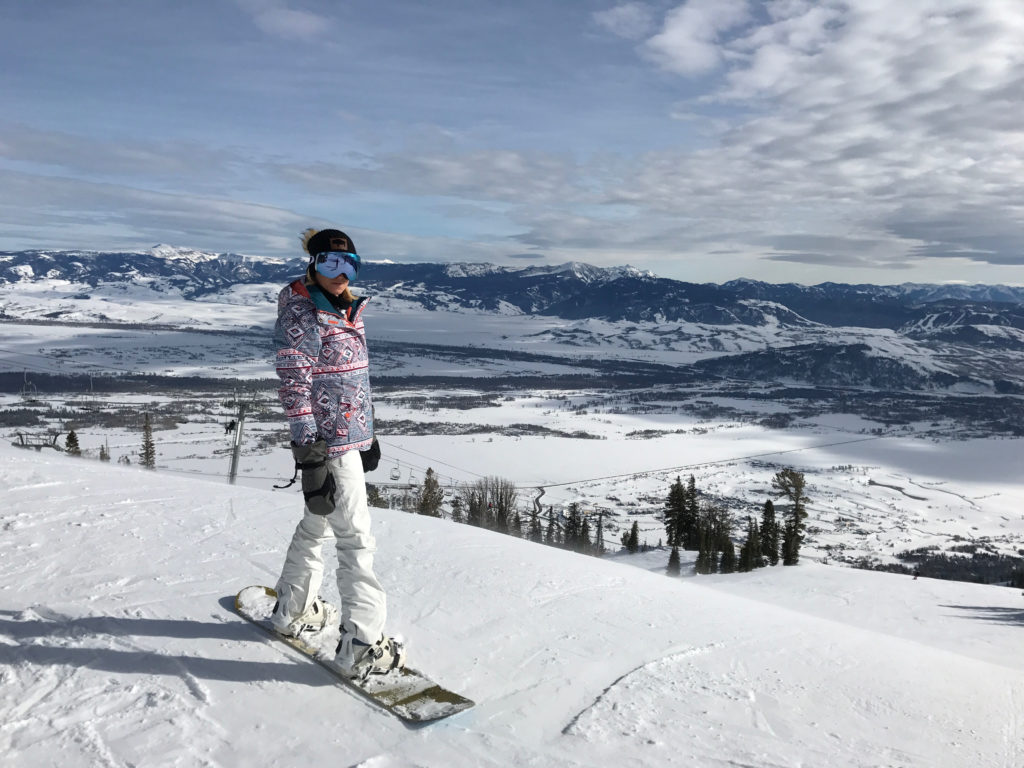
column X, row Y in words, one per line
column 322, row 362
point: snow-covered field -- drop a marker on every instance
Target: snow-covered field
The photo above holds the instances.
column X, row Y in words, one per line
column 119, row 647
column 249, row 310
column 872, row 496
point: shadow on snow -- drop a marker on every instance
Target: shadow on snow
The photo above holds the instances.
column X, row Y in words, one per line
column 142, row 661
column 992, row 613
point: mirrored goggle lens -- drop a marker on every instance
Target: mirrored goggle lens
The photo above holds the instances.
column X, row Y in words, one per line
column 336, row 263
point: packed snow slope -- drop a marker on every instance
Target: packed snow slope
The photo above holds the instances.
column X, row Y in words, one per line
column 119, row 648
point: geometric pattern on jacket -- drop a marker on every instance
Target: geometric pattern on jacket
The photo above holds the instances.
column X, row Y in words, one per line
column 323, row 364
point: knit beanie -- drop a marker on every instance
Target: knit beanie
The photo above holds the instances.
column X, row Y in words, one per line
column 318, row 241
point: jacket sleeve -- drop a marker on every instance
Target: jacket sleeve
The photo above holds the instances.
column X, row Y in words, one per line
column 297, row 339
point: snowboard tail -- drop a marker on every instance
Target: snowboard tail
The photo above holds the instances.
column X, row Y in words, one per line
column 407, row 693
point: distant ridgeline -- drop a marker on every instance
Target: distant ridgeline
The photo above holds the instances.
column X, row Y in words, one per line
column 954, row 340
column 571, row 291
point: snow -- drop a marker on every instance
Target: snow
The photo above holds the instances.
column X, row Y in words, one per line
column 119, row 646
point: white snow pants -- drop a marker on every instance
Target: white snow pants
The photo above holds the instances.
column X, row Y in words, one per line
column 363, row 602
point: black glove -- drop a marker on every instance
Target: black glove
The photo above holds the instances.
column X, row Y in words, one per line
column 318, row 484
column 371, row 456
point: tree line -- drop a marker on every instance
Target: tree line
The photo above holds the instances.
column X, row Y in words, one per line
column 692, row 522
column 147, row 454
column 493, row 503
column 706, row 526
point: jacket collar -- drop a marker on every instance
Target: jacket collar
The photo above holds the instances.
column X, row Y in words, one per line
column 323, row 303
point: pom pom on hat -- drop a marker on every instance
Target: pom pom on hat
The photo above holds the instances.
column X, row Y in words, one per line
column 318, row 241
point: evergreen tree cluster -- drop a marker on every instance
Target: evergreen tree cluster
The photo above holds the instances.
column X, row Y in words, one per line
column 492, row 503
column 692, row 523
column 574, row 530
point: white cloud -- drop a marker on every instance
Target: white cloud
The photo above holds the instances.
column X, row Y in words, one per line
column 492, row 175
column 902, row 121
column 690, row 40
column 276, row 19
column 112, row 158
column 61, row 212
column 632, row 21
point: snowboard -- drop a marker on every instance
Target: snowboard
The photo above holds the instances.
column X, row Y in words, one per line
column 406, row 693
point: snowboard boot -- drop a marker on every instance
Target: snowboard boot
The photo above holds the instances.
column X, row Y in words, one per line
column 313, row 620
column 359, row 660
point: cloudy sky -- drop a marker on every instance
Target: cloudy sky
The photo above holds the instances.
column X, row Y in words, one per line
column 783, row 140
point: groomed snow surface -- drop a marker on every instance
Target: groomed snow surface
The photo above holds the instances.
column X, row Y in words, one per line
column 119, row 648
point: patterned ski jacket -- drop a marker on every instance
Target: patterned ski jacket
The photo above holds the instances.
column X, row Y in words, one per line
column 323, row 364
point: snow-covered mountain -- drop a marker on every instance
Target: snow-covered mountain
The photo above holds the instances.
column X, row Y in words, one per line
column 572, row 291
column 119, row 647
column 908, row 337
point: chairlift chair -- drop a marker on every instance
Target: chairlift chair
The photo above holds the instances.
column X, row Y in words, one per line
column 29, row 393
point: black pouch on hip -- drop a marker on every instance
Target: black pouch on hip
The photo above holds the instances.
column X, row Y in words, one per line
column 371, row 456
column 318, row 486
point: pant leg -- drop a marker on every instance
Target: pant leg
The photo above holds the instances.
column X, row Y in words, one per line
column 363, row 601
column 303, row 570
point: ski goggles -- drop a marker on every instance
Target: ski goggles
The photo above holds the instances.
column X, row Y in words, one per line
column 332, row 264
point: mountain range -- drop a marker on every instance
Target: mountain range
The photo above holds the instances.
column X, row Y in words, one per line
column 572, row 291
column 892, row 337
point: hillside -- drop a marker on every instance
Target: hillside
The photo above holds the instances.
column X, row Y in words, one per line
column 118, row 648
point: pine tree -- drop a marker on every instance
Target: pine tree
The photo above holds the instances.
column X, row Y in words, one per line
column 551, row 534
column 674, row 566
column 631, row 540
column 584, row 545
column 791, row 541
column 71, row 444
column 573, row 527
column 104, row 452
column 599, row 536
column 791, row 484
column 750, row 552
column 458, row 513
column 148, row 456
column 690, row 523
column 675, row 509
column 721, row 526
column 707, row 561
column 770, row 539
column 536, row 530
column 430, row 496
column 728, row 564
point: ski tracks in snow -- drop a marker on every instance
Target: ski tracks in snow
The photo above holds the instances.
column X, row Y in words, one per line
column 572, row 726
column 733, row 698
column 70, row 688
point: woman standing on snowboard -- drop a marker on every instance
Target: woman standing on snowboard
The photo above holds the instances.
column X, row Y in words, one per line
column 322, row 362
